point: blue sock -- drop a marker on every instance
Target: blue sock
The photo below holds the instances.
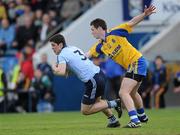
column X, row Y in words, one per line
column 141, row 114
column 133, row 116
column 112, row 119
column 111, row 104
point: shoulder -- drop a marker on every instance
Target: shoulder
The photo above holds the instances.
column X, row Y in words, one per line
column 123, row 26
column 65, row 51
column 97, row 46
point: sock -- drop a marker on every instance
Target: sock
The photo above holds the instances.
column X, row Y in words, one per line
column 141, row 114
column 112, row 119
column 111, row 104
column 133, row 116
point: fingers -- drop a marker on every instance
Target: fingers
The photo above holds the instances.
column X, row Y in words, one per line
column 149, row 10
column 152, row 7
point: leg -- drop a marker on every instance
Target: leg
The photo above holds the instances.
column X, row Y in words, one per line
column 136, row 97
column 92, row 102
column 127, row 86
column 139, row 104
column 107, row 112
column 94, row 108
column 157, row 97
column 99, row 105
column 91, row 109
column 128, row 92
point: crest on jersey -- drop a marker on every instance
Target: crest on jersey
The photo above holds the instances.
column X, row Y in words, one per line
column 113, row 40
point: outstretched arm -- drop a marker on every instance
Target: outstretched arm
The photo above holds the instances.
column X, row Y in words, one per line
column 137, row 19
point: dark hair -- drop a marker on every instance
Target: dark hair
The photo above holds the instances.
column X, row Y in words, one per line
column 58, row 38
column 160, row 57
column 99, row 23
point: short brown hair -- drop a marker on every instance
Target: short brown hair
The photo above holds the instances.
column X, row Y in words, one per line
column 99, row 23
column 58, row 38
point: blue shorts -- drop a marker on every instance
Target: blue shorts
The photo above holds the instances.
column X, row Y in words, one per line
column 137, row 70
column 94, row 88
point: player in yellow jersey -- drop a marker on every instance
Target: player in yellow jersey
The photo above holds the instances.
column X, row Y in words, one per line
column 115, row 45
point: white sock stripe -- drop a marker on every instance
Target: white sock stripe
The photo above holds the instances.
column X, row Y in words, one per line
column 133, row 117
column 141, row 114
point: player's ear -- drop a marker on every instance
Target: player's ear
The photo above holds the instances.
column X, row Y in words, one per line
column 99, row 28
column 61, row 45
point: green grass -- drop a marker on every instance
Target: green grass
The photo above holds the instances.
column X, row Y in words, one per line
column 162, row 122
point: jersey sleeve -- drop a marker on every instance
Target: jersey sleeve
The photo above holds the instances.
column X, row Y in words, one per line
column 60, row 60
column 63, row 57
column 95, row 50
column 123, row 26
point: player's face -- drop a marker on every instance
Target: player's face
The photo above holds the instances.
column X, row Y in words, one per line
column 158, row 63
column 95, row 32
column 56, row 48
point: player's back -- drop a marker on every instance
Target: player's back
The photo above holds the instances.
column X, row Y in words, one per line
column 79, row 63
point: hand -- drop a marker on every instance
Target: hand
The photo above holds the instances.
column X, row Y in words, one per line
column 149, row 10
column 54, row 67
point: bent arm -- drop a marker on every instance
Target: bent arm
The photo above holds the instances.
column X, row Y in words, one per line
column 59, row 69
column 137, row 19
column 88, row 54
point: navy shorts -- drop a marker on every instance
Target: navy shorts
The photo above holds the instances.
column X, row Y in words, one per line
column 94, row 88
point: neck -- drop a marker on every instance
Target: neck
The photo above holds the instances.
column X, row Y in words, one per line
column 102, row 36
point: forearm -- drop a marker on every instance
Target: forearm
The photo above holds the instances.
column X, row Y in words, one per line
column 59, row 73
column 59, row 69
column 88, row 54
column 137, row 19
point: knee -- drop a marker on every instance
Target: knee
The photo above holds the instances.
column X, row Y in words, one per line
column 133, row 94
column 85, row 112
column 122, row 93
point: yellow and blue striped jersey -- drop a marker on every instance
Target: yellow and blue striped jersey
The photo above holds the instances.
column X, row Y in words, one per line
column 116, row 46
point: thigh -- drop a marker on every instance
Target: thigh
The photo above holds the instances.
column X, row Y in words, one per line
column 86, row 107
column 128, row 85
column 136, row 88
column 94, row 89
column 160, row 91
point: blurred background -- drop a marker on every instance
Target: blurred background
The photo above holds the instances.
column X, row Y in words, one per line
column 27, row 83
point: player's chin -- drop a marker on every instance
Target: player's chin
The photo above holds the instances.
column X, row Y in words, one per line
column 54, row 51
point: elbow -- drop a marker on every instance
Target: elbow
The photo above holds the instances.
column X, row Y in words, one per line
column 131, row 24
column 60, row 73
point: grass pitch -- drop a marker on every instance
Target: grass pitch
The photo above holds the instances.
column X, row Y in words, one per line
column 162, row 122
